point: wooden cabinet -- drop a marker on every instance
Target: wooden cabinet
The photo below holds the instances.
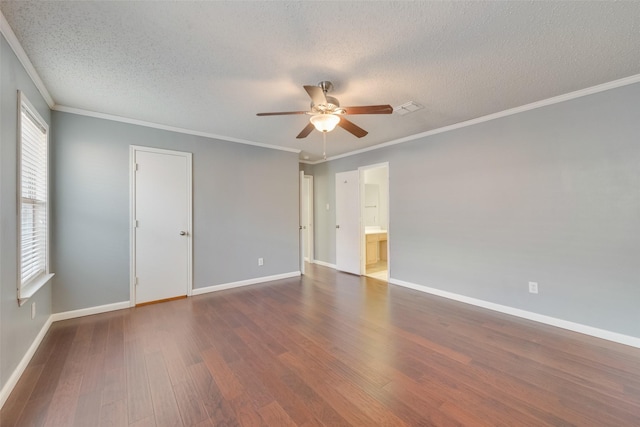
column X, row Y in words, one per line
column 382, row 247
column 372, row 248
column 376, row 247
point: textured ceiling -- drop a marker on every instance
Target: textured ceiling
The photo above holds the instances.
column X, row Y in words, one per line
column 211, row 66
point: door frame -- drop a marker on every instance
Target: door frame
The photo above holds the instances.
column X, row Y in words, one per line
column 310, row 217
column 363, row 237
column 133, row 149
column 301, row 239
column 355, row 210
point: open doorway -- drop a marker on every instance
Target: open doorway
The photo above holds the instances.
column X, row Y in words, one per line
column 374, row 214
column 307, row 217
column 306, row 220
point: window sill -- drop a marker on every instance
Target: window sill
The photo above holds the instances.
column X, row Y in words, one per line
column 28, row 291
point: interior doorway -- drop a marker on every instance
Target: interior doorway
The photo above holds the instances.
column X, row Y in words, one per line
column 307, row 217
column 348, row 224
column 161, row 195
column 374, row 214
column 306, row 221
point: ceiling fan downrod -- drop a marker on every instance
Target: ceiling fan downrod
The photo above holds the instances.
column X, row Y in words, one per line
column 326, row 86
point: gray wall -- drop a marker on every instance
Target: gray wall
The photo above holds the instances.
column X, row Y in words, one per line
column 550, row 195
column 307, row 168
column 17, row 330
column 245, row 206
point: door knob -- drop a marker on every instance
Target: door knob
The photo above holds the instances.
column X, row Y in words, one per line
column 337, row 226
column 183, row 233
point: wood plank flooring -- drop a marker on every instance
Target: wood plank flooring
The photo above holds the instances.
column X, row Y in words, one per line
column 327, row 349
column 379, row 271
column 376, row 267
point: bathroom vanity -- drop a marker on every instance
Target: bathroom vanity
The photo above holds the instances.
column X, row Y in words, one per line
column 376, row 245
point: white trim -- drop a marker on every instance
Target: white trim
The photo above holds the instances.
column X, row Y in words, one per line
column 23, row 293
column 311, row 216
column 324, row 264
column 132, row 233
column 11, row 38
column 114, row 118
column 17, row 373
column 56, row 317
column 538, row 104
column 24, row 362
column 26, row 292
column 6, row 30
column 301, row 240
column 23, row 100
column 375, row 166
column 541, row 318
column 132, row 212
column 222, row 287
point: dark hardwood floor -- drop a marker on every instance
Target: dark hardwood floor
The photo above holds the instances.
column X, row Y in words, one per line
column 326, row 349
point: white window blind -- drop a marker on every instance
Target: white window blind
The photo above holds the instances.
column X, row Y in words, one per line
column 34, row 232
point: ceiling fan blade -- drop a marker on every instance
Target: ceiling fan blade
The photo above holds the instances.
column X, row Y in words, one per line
column 282, row 113
column 369, row 109
column 316, row 94
column 306, row 131
column 351, row 127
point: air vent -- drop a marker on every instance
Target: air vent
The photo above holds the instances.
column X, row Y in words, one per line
column 406, row 108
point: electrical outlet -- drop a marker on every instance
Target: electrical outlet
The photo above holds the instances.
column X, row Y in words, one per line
column 533, row 287
column 260, row 261
column 33, row 310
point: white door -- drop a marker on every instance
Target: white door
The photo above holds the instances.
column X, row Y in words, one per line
column 301, row 214
column 348, row 222
column 307, row 226
column 161, row 224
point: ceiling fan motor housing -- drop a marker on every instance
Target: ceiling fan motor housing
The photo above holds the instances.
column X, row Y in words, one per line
column 331, row 106
column 326, row 86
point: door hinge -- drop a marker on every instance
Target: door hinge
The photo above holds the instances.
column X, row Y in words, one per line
column 135, row 281
column 136, row 224
column 137, row 166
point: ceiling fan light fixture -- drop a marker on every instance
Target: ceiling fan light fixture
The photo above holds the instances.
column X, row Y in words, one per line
column 324, row 122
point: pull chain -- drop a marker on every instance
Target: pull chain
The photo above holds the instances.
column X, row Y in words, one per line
column 324, row 145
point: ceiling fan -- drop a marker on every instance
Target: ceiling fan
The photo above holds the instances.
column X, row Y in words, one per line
column 326, row 112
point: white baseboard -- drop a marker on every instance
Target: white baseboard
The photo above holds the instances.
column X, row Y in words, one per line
column 56, row 317
column 215, row 288
column 17, row 373
column 324, row 264
column 541, row 318
column 564, row 324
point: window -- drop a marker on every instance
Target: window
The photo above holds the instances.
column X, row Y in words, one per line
column 33, row 226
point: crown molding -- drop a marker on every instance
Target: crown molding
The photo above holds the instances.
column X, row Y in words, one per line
column 527, row 107
column 15, row 45
column 11, row 38
column 121, row 119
